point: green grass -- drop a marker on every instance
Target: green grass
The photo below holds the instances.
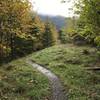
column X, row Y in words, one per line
column 69, row 62
column 19, row 81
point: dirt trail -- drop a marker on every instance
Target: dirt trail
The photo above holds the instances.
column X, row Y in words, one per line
column 57, row 89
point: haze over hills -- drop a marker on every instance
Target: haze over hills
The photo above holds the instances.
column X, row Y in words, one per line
column 59, row 21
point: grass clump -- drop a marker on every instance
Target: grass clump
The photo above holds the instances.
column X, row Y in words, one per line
column 19, row 81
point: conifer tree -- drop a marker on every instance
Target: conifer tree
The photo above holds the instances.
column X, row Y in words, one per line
column 50, row 34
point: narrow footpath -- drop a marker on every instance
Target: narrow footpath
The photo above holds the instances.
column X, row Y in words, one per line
column 57, row 88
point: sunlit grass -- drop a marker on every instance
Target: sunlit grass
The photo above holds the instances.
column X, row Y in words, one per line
column 19, row 81
column 69, row 62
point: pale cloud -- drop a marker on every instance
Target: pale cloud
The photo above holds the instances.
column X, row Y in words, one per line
column 53, row 7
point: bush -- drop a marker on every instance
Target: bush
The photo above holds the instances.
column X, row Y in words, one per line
column 64, row 37
column 97, row 41
column 79, row 40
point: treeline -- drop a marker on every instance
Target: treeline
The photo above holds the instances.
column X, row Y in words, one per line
column 85, row 28
column 67, row 32
column 88, row 27
column 22, row 31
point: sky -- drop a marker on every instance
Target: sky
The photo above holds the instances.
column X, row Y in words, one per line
column 53, row 7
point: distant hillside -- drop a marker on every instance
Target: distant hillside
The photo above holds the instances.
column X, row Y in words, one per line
column 59, row 21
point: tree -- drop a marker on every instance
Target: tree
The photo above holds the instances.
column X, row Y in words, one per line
column 14, row 20
column 89, row 21
column 36, row 32
column 50, row 34
column 67, row 32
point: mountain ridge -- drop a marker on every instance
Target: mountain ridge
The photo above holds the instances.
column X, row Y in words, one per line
column 59, row 21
